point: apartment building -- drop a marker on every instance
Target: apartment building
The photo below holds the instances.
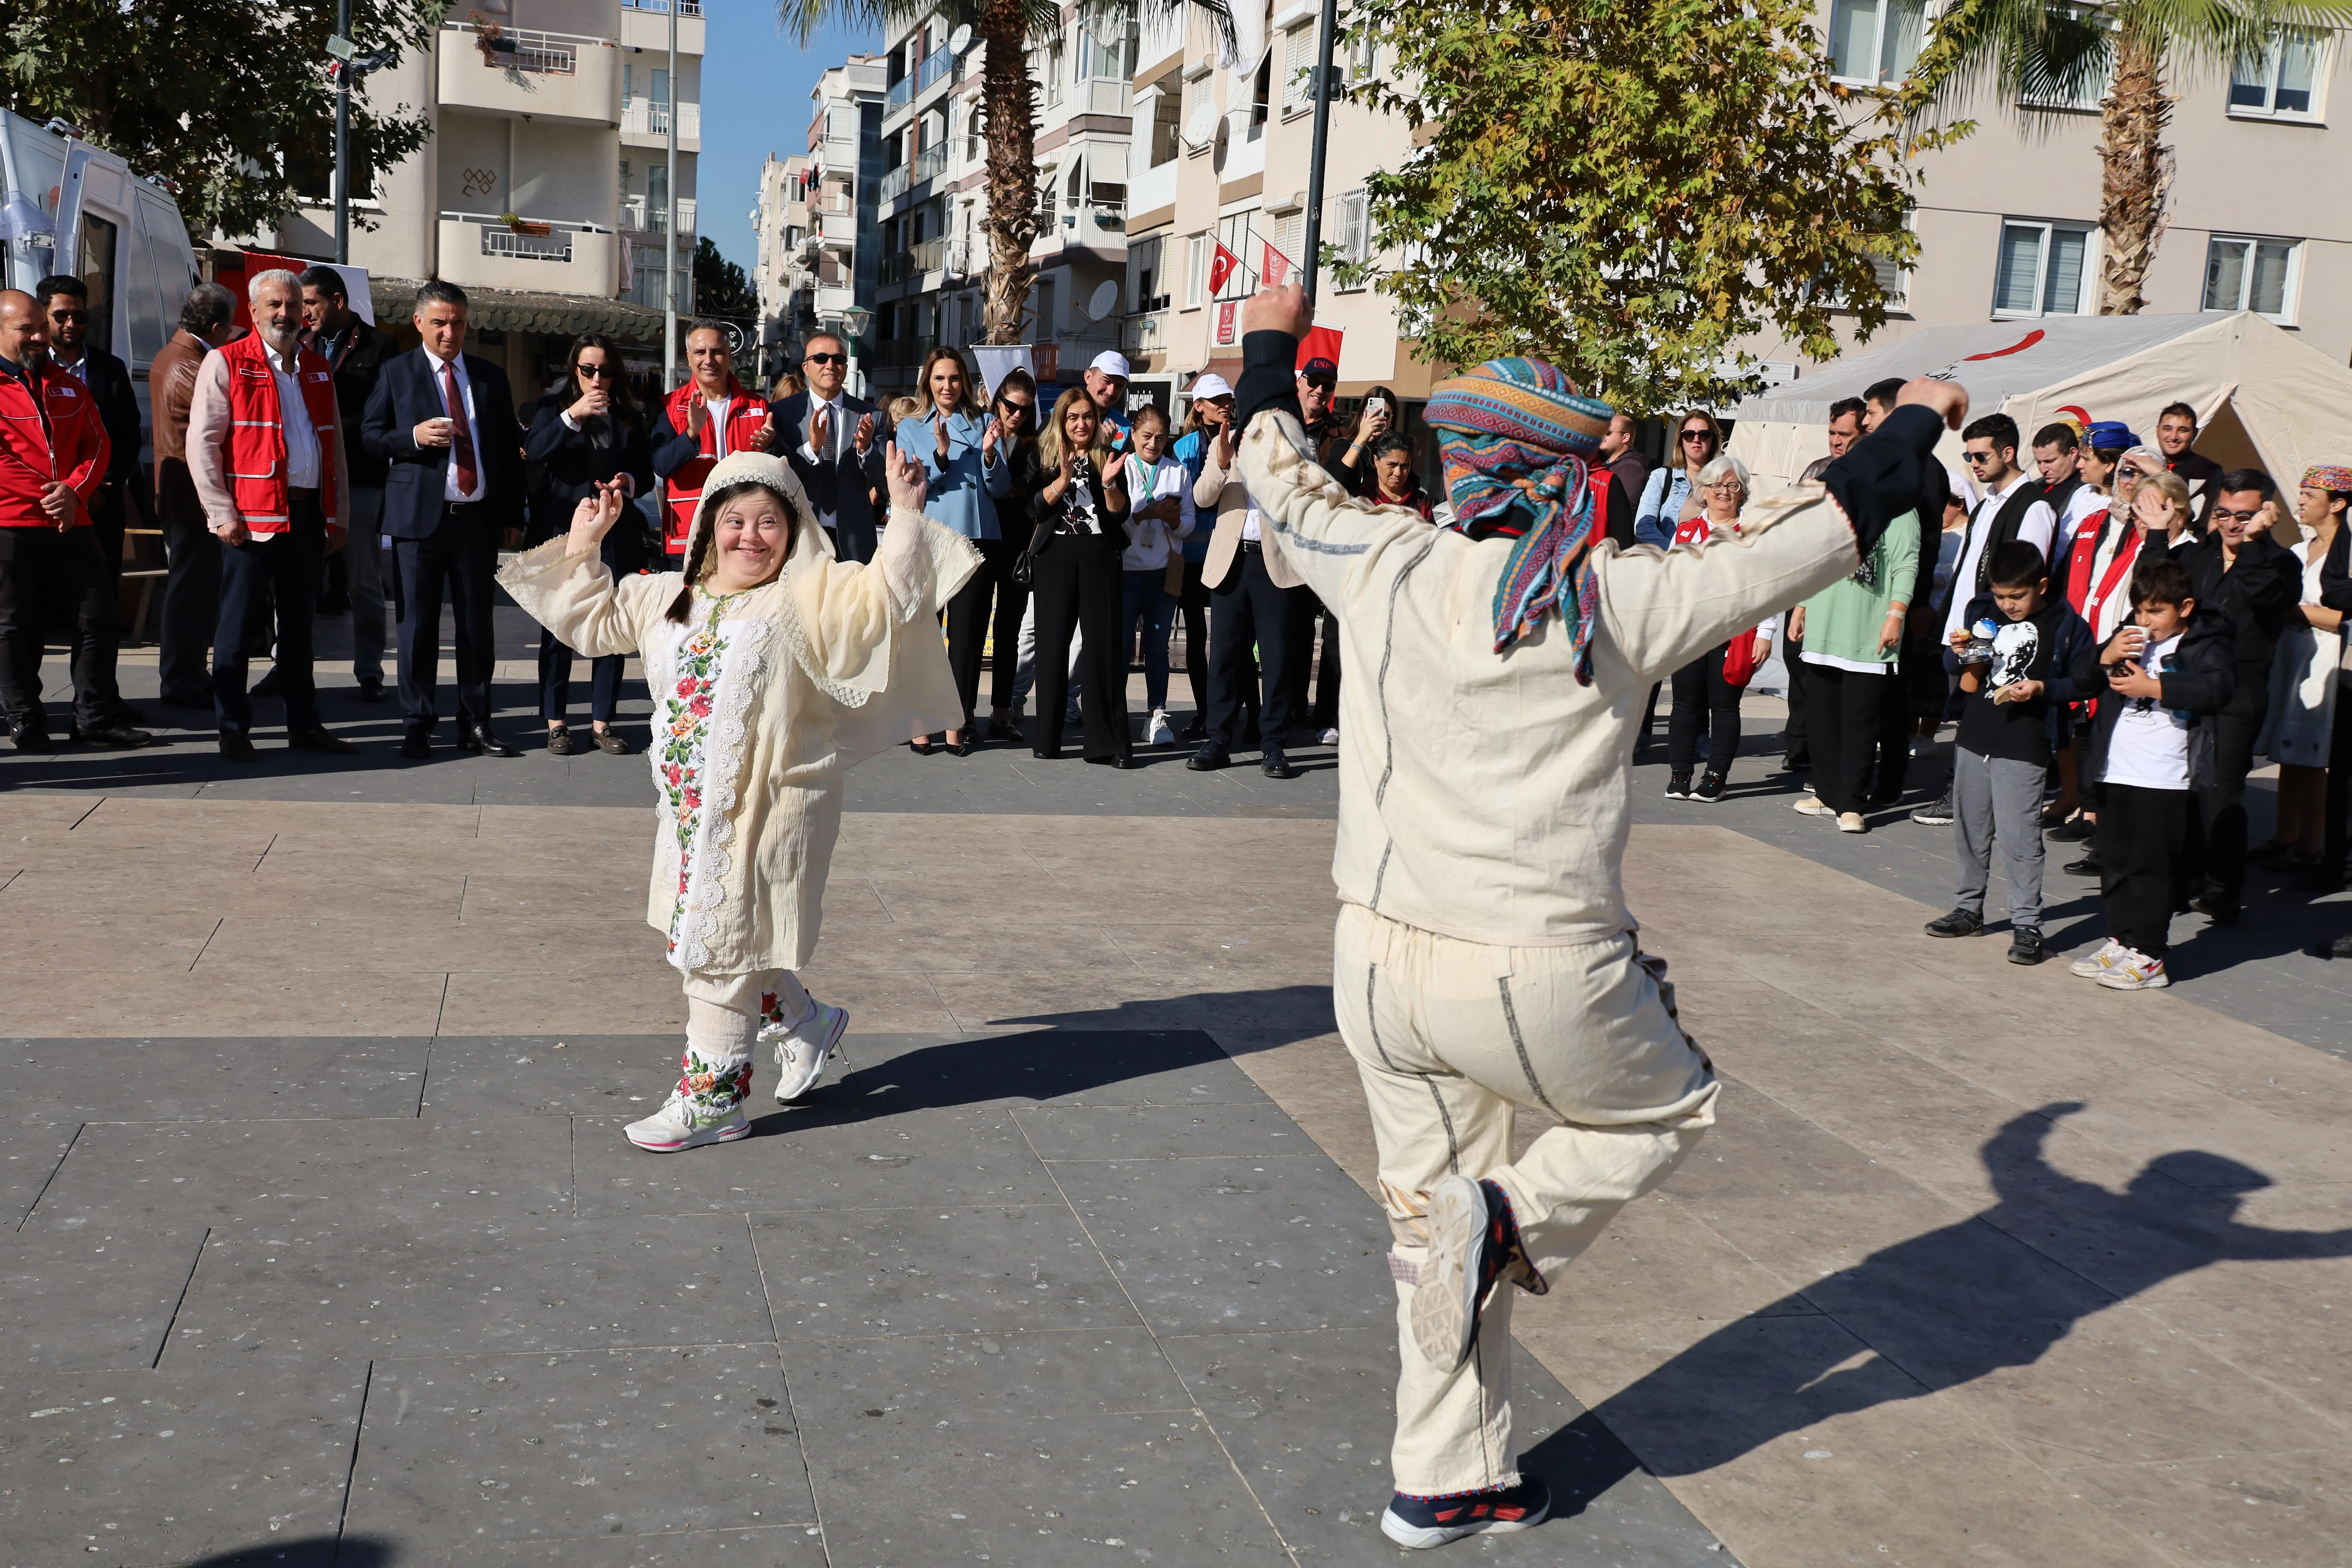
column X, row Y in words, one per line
column 544, row 189
column 817, row 218
column 934, row 196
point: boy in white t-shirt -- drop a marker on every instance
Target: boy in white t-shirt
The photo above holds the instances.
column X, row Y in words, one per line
column 2159, row 682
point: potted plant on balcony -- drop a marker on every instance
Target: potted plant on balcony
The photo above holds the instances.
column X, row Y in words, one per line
column 522, row 224
column 488, row 37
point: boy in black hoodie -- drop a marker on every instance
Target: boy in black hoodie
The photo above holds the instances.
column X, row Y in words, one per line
column 2160, row 683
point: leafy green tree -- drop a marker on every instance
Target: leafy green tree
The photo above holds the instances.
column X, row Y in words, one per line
column 230, row 101
column 722, row 289
column 1628, row 187
column 2030, row 51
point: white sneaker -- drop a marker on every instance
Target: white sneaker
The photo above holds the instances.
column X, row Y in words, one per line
column 1811, row 805
column 2099, row 963
column 804, row 1049
column 1159, row 731
column 1851, row 822
column 2135, row 971
column 1329, row 737
column 681, row 1124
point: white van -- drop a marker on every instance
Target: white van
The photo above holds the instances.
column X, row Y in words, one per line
column 120, row 234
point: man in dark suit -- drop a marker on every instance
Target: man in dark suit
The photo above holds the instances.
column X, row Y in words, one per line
column 442, row 423
column 356, row 352
column 835, row 442
column 121, row 500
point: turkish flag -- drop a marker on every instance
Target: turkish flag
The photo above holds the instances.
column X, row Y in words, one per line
column 1277, row 267
column 1222, row 264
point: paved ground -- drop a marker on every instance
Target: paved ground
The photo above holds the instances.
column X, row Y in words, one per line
column 325, row 1247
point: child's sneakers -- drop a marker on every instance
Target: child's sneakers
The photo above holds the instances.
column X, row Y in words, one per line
column 2025, row 944
column 2135, row 971
column 2099, row 963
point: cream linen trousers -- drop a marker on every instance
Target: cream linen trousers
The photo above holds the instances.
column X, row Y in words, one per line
column 723, row 1015
column 1451, row 1037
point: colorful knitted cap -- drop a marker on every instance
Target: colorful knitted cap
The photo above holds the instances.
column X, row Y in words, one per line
column 2328, row 477
column 1514, row 436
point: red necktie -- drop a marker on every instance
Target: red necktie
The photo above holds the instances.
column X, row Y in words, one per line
column 461, row 445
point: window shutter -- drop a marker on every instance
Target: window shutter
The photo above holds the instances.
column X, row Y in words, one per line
column 1297, row 66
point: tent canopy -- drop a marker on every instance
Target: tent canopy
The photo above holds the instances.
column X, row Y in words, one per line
column 2264, row 397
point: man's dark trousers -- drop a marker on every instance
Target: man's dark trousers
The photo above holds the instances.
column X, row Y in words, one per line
column 283, row 567
column 463, row 553
column 191, row 587
column 1248, row 609
column 42, row 569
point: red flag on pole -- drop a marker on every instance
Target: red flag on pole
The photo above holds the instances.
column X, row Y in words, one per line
column 1222, row 264
column 1277, row 267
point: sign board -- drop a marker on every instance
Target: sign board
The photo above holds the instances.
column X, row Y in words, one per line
column 993, row 362
column 1228, row 313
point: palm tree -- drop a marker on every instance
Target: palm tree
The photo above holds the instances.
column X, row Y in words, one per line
column 2038, row 50
column 1007, row 29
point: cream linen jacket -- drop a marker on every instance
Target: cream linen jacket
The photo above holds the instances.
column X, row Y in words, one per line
column 1485, row 796
column 1230, row 498
column 829, row 665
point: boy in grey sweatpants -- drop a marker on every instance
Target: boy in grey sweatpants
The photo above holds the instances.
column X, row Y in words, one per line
column 2016, row 684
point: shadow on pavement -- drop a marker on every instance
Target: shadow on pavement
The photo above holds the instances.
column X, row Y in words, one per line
column 308, row 1551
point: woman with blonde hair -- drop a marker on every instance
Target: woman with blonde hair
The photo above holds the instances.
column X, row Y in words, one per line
column 1081, row 513
column 1672, row 494
column 1709, row 689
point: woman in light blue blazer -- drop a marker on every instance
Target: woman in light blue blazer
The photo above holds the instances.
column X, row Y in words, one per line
column 966, row 461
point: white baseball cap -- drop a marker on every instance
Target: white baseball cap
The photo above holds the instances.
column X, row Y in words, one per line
column 1211, row 384
column 1111, row 361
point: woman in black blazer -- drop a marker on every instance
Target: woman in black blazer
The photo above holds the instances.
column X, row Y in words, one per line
column 586, row 436
column 1081, row 510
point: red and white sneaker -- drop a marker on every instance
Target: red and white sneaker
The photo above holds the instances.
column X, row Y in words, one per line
column 1419, row 1521
column 2135, row 971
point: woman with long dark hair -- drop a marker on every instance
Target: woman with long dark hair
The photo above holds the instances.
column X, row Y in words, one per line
column 965, row 469
column 1394, row 480
column 1082, row 506
column 1011, row 635
column 1377, row 414
column 588, row 439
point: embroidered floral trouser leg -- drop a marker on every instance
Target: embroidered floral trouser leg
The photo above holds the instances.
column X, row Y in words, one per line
column 723, row 1012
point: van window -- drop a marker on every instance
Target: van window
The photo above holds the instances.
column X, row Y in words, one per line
column 95, row 263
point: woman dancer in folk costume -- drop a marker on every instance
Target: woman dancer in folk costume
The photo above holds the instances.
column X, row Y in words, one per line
column 1485, row 958
column 774, row 669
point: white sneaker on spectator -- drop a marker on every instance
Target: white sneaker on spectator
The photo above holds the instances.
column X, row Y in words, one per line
column 1810, row 805
column 682, row 1124
column 1159, row 731
column 1851, row 822
column 2135, row 971
column 1329, row 737
column 2099, row 963
column 802, row 1048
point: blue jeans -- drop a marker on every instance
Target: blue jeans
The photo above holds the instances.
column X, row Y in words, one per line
column 1144, row 594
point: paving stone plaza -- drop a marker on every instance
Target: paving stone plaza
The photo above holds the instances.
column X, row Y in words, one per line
column 324, row 1247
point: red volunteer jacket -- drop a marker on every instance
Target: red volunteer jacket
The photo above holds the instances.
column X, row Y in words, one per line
column 257, row 437
column 745, row 414
column 72, row 447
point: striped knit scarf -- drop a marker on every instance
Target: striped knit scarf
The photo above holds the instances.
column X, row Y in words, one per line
column 1515, row 437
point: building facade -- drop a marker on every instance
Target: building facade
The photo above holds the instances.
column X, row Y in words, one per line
column 817, row 218
column 542, row 190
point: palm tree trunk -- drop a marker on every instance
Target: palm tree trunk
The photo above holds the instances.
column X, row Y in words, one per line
column 1010, row 126
column 2136, row 175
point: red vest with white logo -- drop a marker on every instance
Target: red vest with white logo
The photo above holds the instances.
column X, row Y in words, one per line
column 745, row 414
column 257, row 439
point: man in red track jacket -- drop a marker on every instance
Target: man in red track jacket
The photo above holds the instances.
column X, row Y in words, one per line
column 53, row 457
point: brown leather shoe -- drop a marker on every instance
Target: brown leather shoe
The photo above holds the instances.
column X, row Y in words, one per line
column 609, row 740
column 238, row 747
column 559, row 741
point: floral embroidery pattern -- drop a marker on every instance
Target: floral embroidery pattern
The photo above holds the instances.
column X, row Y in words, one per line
column 711, row 1091
column 686, row 723
column 708, row 678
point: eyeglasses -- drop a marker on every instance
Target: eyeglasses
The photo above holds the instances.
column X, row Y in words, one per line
column 1731, row 485
column 827, row 359
column 600, row 372
column 1698, row 435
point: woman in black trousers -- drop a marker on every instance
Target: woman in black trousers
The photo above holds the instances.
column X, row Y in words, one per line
column 588, row 437
column 1082, row 509
column 1014, row 408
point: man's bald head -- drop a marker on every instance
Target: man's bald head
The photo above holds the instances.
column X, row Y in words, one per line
column 23, row 329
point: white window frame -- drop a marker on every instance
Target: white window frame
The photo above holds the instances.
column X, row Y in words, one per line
column 1299, row 56
column 1196, row 271
column 2323, row 64
column 1351, row 234
column 1877, row 44
column 2289, row 295
column 2084, row 288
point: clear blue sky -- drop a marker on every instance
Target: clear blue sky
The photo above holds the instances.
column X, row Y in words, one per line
column 755, row 100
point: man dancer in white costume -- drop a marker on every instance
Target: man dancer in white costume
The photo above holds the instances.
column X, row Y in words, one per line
column 1485, row 958
column 775, row 669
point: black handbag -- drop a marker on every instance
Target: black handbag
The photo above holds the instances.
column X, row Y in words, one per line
column 1024, row 565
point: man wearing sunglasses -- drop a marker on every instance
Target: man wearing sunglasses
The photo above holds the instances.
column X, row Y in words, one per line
column 834, row 443
column 2256, row 583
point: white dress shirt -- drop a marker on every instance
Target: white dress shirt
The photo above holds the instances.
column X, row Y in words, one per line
column 449, row 490
column 2037, row 529
column 294, row 418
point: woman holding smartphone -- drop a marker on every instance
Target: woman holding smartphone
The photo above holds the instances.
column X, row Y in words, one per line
column 1378, row 414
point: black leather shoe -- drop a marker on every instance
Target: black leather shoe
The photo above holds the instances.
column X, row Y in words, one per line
column 607, row 741
column 1274, row 765
column 559, row 741
column 1195, row 731
column 35, row 740
column 417, row 745
column 481, row 738
column 1005, row 730
column 1042, row 755
column 1209, row 758
column 200, row 699
column 2222, row 911
column 320, row 739
column 1111, row 761
column 2088, row 866
column 372, row 688
column 116, row 733
column 238, row 747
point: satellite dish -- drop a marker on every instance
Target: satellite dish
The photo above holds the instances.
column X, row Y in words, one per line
column 1103, row 300
column 1201, row 127
column 1224, row 140
column 960, row 40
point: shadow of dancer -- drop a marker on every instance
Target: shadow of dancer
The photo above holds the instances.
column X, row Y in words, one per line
column 1994, row 1291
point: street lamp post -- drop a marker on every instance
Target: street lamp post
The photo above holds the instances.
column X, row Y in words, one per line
column 855, row 320
column 669, row 220
column 1328, row 29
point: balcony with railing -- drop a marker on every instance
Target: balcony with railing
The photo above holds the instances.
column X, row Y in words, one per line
column 554, row 255
column 645, row 25
column 640, row 214
column 935, row 68
column 829, row 229
column 901, row 96
column 661, row 8
column 506, row 70
column 645, row 120
column 1103, row 97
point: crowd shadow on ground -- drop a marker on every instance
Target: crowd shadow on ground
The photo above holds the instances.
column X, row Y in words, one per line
column 1993, row 1291
column 306, row 1552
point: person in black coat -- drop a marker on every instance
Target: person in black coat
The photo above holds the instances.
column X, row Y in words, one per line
column 452, row 490
column 588, row 437
column 121, row 500
column 355, row 352
column 1082, row 506
column 2254, row 582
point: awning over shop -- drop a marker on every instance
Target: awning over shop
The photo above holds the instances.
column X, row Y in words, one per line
column 512, row 310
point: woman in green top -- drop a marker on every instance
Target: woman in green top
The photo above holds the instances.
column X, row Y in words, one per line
column 1852, row 632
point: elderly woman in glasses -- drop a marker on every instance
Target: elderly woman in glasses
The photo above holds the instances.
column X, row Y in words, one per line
column 1708, row 690
column 1673, row 490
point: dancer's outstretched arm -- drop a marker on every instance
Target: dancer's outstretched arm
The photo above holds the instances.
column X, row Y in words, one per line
column 564, row 587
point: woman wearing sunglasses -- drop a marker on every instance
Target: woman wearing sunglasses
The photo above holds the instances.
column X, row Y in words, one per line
column 588, row 438
column 1673, row 492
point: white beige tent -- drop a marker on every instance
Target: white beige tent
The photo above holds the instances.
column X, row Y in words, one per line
column 2265, row 398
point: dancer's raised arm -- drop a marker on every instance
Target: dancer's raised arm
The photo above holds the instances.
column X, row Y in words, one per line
column 564, row 585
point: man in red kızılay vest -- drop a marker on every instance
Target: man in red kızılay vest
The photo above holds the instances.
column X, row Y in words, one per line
column 53, row 457
column 710, row 417
column 266, row 450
